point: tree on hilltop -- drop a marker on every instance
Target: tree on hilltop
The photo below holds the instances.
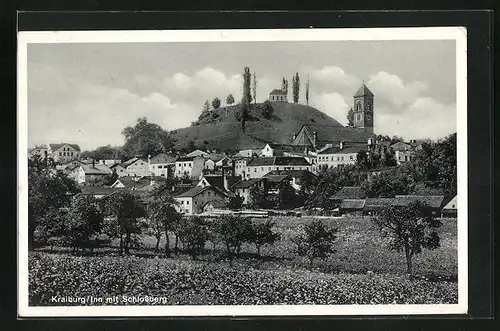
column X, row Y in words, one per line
column 206, row 106
column 307, row 90
column 216, row 103
column 230, row 99
column 296, row 87
column 254, row 88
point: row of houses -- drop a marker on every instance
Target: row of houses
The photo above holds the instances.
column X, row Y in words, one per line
column 353, row 200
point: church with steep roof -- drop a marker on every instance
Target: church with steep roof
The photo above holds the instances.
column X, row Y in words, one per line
column 315, row 136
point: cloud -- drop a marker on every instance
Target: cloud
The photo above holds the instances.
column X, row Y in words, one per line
column 97, row 114
column 392, row 93
column 424, row 118
column 332, row 104
column 204, row 84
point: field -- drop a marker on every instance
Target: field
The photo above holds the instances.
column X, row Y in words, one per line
column 361, row 271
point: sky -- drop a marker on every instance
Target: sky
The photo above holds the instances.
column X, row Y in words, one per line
column 86, row 93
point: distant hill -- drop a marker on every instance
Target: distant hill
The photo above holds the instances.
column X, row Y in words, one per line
column 221, row 130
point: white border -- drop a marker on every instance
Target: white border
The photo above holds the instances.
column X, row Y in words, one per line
column 459, row 34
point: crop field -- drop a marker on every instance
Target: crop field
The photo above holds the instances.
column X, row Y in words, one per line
column 361, row 271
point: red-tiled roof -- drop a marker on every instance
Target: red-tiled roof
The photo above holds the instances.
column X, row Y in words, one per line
column 163, row 158
column 279, row 160
column 433, row 201
column 346, row 150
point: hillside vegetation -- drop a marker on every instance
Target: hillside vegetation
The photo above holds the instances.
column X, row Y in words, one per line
column 222, row 130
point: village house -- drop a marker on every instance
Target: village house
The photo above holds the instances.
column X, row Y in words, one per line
column 136, row 167
column 38, row 151
column 89, row 173
column 63, row 152
column 109, row 163
column 450, row 209
column 190, row 167
column 341, row 155
column 222, row 182
column 403, row 152
column 352, row 206
column 196, row 199
column 98, row 192
column 197, row 152
column 296, row 176
column 278, row 96
column 248, row 152
column 131, row 183
column 119, row 169
column 240, row 166
column 258, row 167
column 162, row 165
column 244, row 188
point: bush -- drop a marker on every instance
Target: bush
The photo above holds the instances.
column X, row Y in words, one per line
column 316, row 241
column 216, row 103
column 267, row 109
column 235, row 202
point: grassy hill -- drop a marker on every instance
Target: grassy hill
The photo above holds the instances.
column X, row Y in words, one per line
column 221, row 129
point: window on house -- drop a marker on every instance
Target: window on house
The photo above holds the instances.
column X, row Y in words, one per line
column 350, row 157
column 187, row 202
column 254, row 169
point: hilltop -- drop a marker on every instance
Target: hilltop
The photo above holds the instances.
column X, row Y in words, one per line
column 221, row 130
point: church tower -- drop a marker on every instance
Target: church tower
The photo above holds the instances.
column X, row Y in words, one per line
column 363, row 109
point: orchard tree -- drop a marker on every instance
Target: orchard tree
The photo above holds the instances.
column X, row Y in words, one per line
column 52, row 229
column 83, row 221
column 232, row 232
column 230, row 99
column 296, row 87
column 263, row 234
column 259, row 197
column 315, row 241
column 409, row 229
column 216, row 103
column 162, row 212
column 350, row 117
column 194, row 234
column 48, row 190
column 127, row 210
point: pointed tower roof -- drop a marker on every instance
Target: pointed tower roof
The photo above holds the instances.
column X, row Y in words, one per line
column 362, row 91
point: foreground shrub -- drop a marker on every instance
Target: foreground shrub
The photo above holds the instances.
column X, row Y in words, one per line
column 194, row 234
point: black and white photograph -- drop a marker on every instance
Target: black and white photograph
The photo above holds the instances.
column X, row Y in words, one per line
column 242, row 172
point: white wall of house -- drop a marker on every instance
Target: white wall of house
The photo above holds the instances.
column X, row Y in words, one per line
column 267, row 151
column 64, row 154
column 120, row 171
column 139, row 168
column 240, row 168
column 184, row 205
column 333, row 160
column 192, row 168
column 403, row 156
column 260, row 171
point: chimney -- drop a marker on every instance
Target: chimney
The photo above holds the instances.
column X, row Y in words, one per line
column 341, row 145
column 294, row 136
